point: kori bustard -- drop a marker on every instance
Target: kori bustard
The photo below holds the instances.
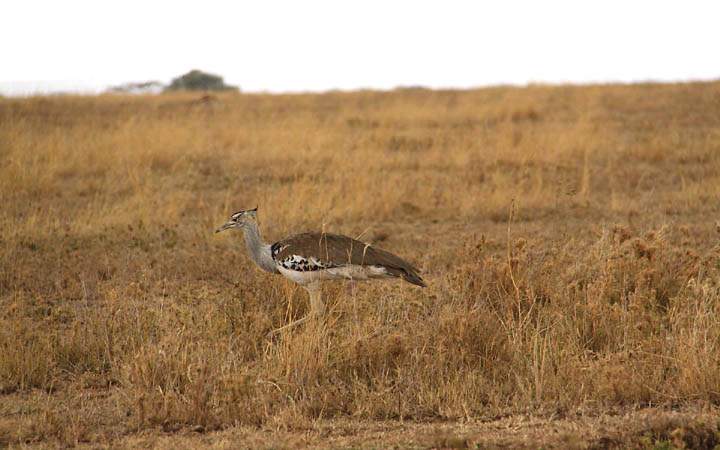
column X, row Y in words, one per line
column 309, row 259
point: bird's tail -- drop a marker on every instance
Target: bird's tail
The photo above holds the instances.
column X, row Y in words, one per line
column 409, row 275
column 412, row 277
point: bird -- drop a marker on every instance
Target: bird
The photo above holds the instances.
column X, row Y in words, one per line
column 312, row 258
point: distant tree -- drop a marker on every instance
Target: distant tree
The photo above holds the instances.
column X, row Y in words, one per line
column 196, row 80
column 145, row 87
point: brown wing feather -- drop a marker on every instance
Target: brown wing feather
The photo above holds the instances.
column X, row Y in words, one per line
column 338, row 250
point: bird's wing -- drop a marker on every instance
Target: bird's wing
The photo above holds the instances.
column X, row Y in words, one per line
column 338, row 250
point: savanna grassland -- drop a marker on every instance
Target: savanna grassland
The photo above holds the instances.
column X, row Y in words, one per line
column 569, row 237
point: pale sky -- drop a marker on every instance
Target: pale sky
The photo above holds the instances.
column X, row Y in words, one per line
column 282, row 46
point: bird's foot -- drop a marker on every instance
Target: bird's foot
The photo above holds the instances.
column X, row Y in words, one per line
column 273, row 333
column 277, row 331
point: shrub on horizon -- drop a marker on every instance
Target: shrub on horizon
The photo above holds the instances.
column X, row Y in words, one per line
column 197, row 80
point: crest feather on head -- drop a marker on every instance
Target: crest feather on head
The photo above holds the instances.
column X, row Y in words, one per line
column 244, row 212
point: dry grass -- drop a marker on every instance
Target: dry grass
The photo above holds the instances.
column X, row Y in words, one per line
column 569, row 236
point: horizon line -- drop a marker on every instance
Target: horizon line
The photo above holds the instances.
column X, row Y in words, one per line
column 81, row 88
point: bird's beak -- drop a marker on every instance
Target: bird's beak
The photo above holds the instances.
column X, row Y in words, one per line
column 225, row 227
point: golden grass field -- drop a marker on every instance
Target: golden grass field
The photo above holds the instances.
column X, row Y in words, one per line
column 569, row 237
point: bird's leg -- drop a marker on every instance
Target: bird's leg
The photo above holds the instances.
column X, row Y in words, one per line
column 317, row 308
column 350, row 287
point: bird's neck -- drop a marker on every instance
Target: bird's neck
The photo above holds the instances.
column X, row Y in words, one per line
column 259, row 251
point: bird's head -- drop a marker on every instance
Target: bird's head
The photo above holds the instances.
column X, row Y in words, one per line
column 240, row 219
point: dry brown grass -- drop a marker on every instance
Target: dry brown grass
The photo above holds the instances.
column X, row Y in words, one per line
column 569, row 236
